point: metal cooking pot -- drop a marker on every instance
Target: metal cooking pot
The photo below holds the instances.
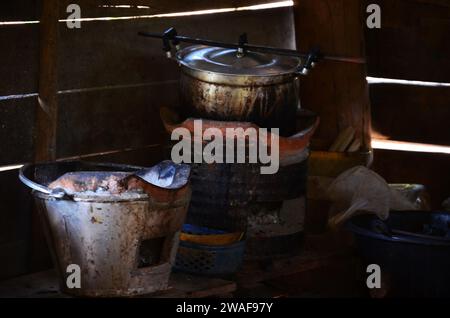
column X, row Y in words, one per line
column 225, row 84
column 239, row 82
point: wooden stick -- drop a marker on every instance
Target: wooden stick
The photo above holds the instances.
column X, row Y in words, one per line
column 355, row 145
column 344, row 139
column 338, row 92
column 46, row 118
column 47, row 111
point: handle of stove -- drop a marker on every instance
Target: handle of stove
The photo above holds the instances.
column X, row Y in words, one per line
column 55, row 193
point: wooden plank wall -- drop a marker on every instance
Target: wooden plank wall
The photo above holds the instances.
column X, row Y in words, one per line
column 337, row 91
column 110, row 85
column 151, row 78
column 432, row 170
column 411, row 113
column 19, row 71
column 412, row 44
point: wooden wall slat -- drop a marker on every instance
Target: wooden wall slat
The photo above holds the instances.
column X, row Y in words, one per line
column 93, row 8
column 438, row 2
column 19, row 56
column 413, row 41
column 105, row 120
column 47, row 112
column 336, row 91
column 118, row 56
column 411, row 113
column 334, row 26
column 19, row 10
column 145, row 157
column 432, row 170
column 15, row 197
column 110, row 52
column 15, row 259
column 15, row 225
column 16, row 130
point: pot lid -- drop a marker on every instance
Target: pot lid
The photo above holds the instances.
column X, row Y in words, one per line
column 226, row 61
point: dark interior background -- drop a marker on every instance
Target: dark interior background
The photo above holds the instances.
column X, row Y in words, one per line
column 110, row 84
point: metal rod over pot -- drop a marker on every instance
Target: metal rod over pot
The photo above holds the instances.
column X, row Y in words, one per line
column 310, row 58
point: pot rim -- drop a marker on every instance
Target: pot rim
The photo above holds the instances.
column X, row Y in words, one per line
column 237, row 79
column 93, row 198
column 363, row 231
column 217, row 77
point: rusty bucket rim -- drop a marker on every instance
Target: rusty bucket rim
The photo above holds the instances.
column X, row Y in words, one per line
column 26, row 176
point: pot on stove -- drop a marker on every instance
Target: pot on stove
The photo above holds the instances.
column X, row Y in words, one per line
column 239, row 82
column 224, row 84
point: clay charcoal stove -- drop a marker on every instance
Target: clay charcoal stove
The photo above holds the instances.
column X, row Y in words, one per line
column 119, row 223
column 230, row 86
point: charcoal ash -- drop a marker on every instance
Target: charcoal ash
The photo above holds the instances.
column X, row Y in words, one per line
column 94, row 182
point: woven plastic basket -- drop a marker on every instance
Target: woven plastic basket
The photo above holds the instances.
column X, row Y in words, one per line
column 208, row 260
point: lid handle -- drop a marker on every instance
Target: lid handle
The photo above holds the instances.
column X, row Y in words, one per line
column 170, row 35
column 243, row 41
column 311, row 60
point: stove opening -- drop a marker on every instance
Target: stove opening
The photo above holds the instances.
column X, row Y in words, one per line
column 150, row 252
